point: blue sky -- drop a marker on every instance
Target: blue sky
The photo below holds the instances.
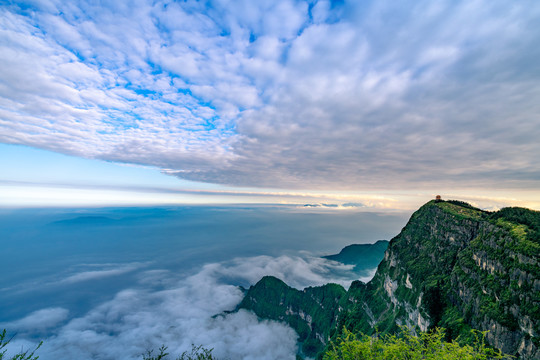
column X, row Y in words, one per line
column 379, row 103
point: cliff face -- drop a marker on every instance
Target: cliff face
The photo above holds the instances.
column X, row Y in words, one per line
column 452, row 266
column 312, row 312
column 459, row 268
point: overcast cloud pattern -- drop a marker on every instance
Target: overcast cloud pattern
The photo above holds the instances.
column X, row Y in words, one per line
column 310, row 94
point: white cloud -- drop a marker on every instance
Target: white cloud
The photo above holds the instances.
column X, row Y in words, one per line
column 38, row 320
column 182, row 313
column 99, row 274
column 275, row 93
column 296, row 271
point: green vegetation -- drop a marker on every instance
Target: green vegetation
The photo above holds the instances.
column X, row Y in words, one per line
column 23, row 355
column 311, row 312
column 524, row 224
column 529, row 218
column 461, row 209
column 405, row 346
column 453, row 266
column 364, row 257
column 196, row 353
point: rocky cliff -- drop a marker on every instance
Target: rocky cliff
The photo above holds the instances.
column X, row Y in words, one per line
column 452, row 266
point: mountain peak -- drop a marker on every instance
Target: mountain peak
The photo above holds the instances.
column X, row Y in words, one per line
column 453, row 266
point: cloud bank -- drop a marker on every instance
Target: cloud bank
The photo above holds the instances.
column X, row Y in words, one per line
column 182, row 312
column 39, row 320
column 285, row 93
column 101, row 273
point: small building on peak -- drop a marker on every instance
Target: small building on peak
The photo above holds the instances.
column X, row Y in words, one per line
column 438, row 198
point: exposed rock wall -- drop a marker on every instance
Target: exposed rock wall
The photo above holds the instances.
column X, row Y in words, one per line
column 452, row 266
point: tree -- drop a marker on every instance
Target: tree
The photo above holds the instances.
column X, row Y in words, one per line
column 196, row 353
column 23, row 355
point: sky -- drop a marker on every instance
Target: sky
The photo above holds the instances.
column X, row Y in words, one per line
column 379, row 104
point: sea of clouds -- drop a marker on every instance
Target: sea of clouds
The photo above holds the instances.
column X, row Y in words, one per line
column 167, row 308
column 165, row 276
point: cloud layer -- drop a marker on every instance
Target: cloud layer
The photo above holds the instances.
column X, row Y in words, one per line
column 181, row 313
column 101, row 273
column 284, row 93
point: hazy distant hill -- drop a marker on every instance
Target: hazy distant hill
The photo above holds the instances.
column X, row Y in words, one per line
column 364, row 257
column 452, row 266
column 86, row 220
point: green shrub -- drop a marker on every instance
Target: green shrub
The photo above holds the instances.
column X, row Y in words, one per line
column 427, row 345
column 196, row 353
column 26, row 355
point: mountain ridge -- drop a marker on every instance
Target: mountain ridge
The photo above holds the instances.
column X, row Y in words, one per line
column 452, row 266
column 364, row 257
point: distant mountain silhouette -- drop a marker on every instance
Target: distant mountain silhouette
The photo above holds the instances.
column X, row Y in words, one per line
column 86, row 220
column 364, row 257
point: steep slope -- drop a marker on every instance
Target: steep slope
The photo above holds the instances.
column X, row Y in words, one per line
column 452, row 266
column 312, row 312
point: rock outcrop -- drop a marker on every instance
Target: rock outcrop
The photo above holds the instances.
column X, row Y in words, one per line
column 452, row 266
